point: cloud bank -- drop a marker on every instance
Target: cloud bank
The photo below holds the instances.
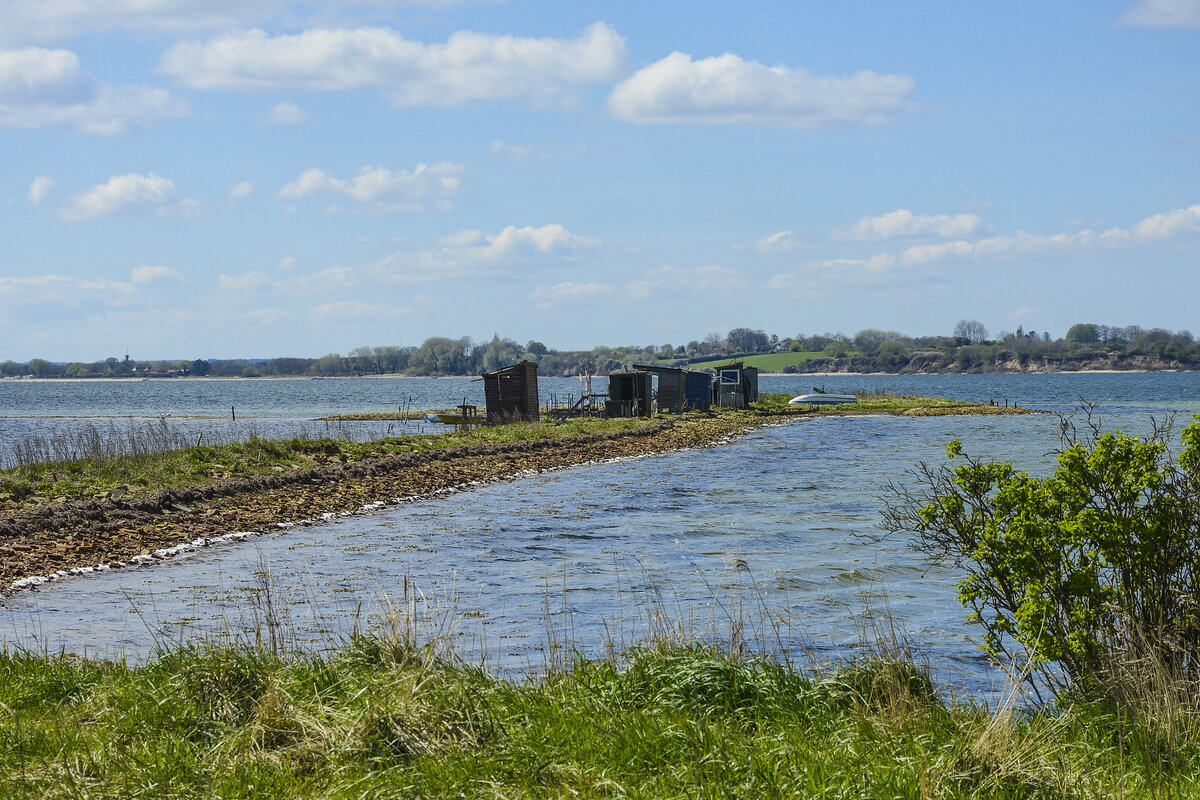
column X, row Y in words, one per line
column 466, row 67
column 730, row 90
column 130, row 195
column 50, row 89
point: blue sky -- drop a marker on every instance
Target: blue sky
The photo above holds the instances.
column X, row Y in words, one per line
column 188, row 179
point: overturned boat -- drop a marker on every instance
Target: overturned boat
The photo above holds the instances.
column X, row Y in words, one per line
column 822, row 399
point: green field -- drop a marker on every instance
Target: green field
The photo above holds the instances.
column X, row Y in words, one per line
column 768, row 362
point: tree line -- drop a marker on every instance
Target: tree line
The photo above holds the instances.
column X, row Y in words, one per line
column 967, row 349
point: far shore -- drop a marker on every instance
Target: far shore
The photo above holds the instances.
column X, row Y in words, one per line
column 399, row 375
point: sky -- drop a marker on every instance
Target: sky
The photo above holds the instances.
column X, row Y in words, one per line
column 256, row 178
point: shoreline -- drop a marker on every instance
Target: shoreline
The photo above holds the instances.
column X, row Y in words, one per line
column 59, row 541
column 45, row 543
column 401, row 375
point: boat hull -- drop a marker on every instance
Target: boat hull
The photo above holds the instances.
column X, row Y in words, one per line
column 822, row 399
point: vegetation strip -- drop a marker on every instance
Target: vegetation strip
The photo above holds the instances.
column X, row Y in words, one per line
column 384, row 717
column 115, row 527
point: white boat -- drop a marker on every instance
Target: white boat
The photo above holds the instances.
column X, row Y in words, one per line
column 822, row 399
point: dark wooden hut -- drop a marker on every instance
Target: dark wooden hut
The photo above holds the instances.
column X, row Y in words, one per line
column 628, row 395
column 680, row 390
column 512, row 393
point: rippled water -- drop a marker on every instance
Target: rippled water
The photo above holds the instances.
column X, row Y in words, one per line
column 783, row 519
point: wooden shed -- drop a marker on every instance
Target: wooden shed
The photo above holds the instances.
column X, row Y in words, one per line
column 736, row 385
column 512, row 393
column 628, row 395
column 680, row 390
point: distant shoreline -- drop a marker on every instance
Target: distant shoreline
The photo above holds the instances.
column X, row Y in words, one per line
column 397, row 375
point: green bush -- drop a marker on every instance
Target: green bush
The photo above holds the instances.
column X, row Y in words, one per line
column 1096, row 565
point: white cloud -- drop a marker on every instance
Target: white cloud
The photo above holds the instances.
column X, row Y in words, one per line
column 352, row 310
column 50, row 89
column 240, row 190
column 904, row 224
column 1170, row 225
column 55, row 20
column 468, row 66
column 729, row 89
column 1164, row 14
column 520, row 153
column 781, row 242
column 569, row 292
column 286, row 114
column 39, row 189
column 132, row 195
column 474, row 253
column 154, row 274
column 61, row 290
column 381, row 188
column 1020, row 245
column 287, row 262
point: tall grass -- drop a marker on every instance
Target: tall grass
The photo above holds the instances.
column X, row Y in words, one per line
column 91, row 460
column 395, row 712
column 385, row 716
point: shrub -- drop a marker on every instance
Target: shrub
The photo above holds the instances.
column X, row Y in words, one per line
column 1094, row 565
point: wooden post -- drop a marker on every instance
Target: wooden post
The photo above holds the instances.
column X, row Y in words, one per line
column 233, row 413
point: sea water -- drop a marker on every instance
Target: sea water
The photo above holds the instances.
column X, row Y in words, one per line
column 771, row 540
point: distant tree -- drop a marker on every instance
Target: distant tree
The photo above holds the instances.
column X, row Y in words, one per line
column 869, row 340
column 666, row 351
column 836, row 349
column 1083, row 333
column 498, row 353
column 970, row 329
column 392, row 358
column 362, row 359
column 537, row 348
column 745, row 340
column 39, row 367
column 439, row 355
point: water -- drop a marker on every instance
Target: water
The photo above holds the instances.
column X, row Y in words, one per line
column 783, row 519
column 232, row 410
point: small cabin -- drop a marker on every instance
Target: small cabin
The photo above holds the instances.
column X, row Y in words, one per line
column 511, row 394
column 629, row 395
column 735, row 385
column 680, row 390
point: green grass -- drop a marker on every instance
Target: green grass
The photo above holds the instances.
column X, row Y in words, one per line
column 884, row 403
column 147, row 472
column 769, row 362
column 384, row 718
